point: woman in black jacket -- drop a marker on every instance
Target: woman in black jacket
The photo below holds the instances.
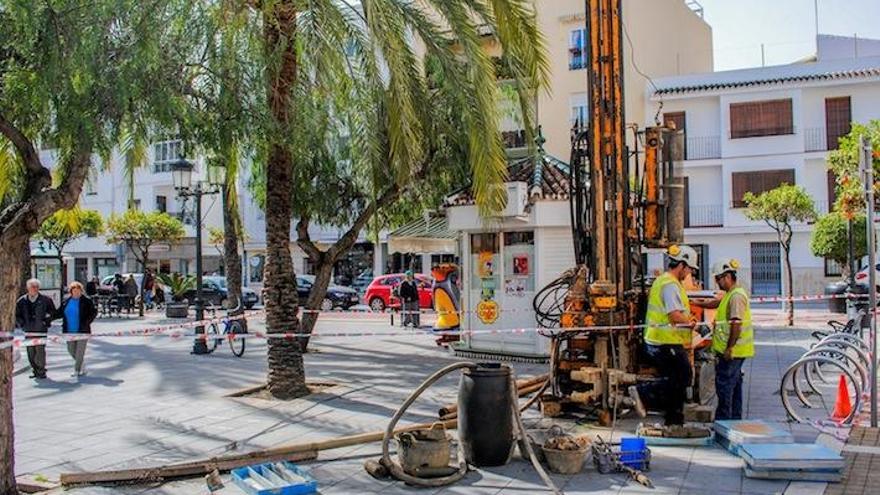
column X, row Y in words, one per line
column 77, row 312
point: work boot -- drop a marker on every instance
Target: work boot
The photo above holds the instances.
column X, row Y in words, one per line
column 638, row 406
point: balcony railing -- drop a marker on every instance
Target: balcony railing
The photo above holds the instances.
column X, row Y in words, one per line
column 703, row 148
column 705, row 216
column 815, row 139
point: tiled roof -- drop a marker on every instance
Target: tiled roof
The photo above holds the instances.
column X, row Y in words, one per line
column 868, row 67
column 546, row 176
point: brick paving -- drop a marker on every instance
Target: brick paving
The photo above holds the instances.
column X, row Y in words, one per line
column 148, row 401
column 862, row 473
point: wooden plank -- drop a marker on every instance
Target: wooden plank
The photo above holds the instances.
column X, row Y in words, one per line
column 184, row 470
column 290, row 452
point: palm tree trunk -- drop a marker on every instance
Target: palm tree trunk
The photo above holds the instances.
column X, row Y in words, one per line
column 231, row 258
column 286, row 378
column 12, row 243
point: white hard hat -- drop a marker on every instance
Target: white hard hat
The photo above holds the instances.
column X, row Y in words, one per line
column 722, row 267
column 684, row 253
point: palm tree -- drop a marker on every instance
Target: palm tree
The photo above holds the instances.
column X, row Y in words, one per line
column 365, row 53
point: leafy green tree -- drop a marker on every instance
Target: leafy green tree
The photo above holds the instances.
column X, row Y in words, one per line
column 780, row 208
column 844, row 162
column 830, row 238
column 66, row 226
column 72, row 76
column 332, row 65
column 139, row 231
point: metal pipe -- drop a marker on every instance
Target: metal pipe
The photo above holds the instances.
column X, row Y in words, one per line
column 867, row 168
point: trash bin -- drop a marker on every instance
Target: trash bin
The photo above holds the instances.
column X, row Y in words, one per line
column 837, row 304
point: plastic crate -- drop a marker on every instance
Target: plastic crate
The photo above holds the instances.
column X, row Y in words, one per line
column 278, row 478
column 632, row 452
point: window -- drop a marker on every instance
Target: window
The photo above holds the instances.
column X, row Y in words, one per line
column 761, row 118
column 758, row 182
column 687, row 201
column 838, row 119
column 91, row 179
column 161, row 204
column 578, row 111
column 165, row 153
column 677, row 121
column 576, row 55
column 136, row 204
column 833, row 268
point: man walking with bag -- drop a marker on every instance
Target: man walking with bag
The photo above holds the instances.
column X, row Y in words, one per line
column 33, row 314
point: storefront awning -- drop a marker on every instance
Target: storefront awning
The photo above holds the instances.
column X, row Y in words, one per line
column 426, row 235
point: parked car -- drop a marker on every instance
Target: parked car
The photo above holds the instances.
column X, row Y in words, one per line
column 380, row 292
column 215, row 291
column 862, row 276
column 337, row 296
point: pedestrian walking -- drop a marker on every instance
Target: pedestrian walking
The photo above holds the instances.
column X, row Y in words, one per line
column 77, row 313
column 733, row 340
column 33, row 314
column 669, row 328
column 131, row 291
column 149, row 283
column 409, row 295
column 92, row 287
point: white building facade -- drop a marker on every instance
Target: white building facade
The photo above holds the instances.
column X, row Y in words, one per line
column 751, row 130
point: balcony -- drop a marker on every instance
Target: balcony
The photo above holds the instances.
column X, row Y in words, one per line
column 704, row 216
column 703, row 148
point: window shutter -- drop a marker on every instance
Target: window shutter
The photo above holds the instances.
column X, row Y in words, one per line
column 761, row 118
column 838, row 120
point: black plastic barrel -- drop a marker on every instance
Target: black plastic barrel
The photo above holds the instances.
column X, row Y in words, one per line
column 838, row 304
column 485, row 417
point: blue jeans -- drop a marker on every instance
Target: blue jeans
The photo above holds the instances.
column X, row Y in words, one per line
column 728, row 387
column 669, row 391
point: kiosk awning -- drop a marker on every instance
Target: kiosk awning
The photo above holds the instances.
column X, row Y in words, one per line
column 426, row 235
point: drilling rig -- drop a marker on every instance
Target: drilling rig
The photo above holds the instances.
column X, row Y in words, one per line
column 625, row 199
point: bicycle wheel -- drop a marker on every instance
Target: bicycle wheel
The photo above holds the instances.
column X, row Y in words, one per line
column 212, row 337
column 235, row 327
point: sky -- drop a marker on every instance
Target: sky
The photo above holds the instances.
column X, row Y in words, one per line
column 785, row 27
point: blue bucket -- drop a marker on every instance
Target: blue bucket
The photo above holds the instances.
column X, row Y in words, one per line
column 633, row 452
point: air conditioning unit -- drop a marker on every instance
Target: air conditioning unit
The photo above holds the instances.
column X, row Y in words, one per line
column 517, row 199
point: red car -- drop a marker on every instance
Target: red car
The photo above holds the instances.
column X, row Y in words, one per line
column 379, row 293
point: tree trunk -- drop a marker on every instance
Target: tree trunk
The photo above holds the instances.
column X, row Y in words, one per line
column 286, row 378
column 231, row 258
column 24, row 265
column 789, row 305
column 10, row 278
column 323, row 275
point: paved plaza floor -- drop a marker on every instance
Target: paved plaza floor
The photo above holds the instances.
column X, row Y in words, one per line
column 146, row 402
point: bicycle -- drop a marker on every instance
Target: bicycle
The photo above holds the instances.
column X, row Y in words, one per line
column 214, row 336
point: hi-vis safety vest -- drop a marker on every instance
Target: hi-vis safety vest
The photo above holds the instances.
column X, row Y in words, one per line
column 659, row 330
column 745, row 345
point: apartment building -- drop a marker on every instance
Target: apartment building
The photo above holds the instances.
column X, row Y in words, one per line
column 751, row 130
column 662, row 38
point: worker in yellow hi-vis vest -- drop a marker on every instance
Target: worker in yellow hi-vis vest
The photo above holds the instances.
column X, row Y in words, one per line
column 733, row 339
column 668, row 331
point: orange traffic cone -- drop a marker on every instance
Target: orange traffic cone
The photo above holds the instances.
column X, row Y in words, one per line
column 842, row 405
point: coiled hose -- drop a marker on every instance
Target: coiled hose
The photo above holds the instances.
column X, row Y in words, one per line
column 397, row 470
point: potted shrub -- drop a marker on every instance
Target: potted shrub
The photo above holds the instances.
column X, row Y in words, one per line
column 179, row 285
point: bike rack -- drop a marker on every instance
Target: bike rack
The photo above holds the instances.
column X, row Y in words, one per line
column 844, row 351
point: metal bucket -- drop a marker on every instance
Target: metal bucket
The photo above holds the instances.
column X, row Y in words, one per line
column 421, row 449
column 565, row 461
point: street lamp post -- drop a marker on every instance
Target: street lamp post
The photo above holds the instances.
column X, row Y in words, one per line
column 181, row 171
